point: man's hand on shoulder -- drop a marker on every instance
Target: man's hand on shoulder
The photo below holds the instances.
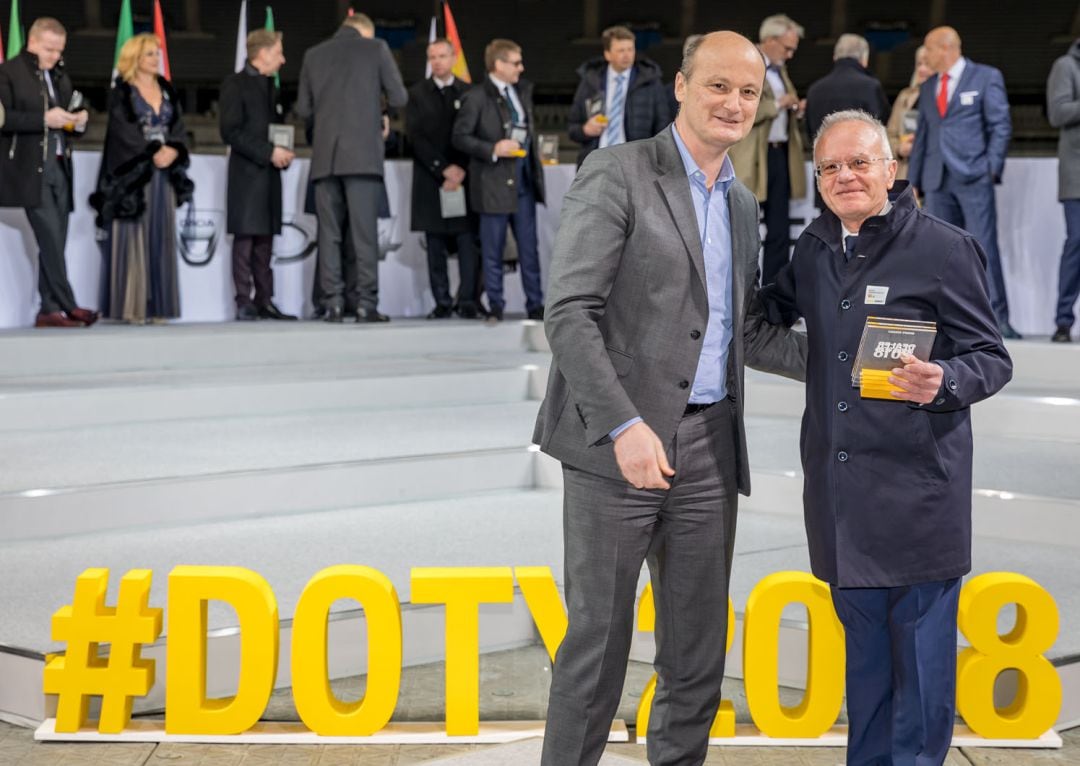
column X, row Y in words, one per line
column 641, row 458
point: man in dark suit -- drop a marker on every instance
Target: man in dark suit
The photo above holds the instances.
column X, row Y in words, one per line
column 959, row 153
column 652, row 313
column 495, row 127
column 35, row 161
column 620, row 97
column 887, row 495
column 438, row 166
column 249, row 104
column 847, row 86
column 342, row 82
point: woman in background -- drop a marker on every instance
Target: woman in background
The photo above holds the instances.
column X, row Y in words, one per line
column 905, row 114
column 141, row 183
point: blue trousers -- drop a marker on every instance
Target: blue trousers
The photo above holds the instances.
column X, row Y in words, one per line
column 971, row 207
column 1069, row 274
column 901, row 672
column 493, row 240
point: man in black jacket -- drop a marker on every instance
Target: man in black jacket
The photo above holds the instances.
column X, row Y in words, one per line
column 848, row 86
column 438, row 168
column 495, row 127
column 35, row 161
column 619, row 98
column 249, row 104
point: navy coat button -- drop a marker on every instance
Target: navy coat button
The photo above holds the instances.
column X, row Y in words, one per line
column 842, row 356
column 952, row 385
column 940, row 402
column 695, row 334
column 845, row 304
column 684, row 384
column 842, row 406
column 842, row 457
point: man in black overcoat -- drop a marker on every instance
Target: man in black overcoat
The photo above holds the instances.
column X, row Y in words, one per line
column 35, row 161
column 437, row 165
column 888, row 483
column 249, row 105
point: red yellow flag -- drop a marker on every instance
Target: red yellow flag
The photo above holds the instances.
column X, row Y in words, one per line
column 159, row 33
column 461, row 67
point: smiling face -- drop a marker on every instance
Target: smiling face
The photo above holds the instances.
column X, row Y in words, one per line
column 719, row 100
column 855, row 196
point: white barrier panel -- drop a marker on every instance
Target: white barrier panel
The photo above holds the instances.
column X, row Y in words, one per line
column 1031, row 230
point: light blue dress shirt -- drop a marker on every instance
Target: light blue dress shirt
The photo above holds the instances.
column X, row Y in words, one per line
column 714, row 228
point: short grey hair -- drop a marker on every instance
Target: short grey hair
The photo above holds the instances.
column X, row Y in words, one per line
column 779, row 24
column 851, row 46
column 854, row 115
column 689, row 48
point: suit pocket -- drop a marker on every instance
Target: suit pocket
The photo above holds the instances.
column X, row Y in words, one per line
column 621, row 361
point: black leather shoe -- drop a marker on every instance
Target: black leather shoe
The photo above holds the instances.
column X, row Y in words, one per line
column 537, row 314
column 467, row 311
column 1062, row 335
column 246, row 313
column 440, row 312
column 334, row 314
column 318, row 313
column 495, row 315
column 370, row 315
column 270, row 311
column 1007, row 331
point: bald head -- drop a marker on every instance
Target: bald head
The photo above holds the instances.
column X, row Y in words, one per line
column 730, row 43
column 942, row 48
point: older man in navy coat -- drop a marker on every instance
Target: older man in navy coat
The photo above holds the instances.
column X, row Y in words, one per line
column 887, row 492
column 959, row 153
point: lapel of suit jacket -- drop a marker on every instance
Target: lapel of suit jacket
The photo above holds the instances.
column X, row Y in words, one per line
column 963, row 85
column 675, row 188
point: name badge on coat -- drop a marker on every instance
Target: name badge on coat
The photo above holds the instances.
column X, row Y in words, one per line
column 876, row 295
column 967, row 98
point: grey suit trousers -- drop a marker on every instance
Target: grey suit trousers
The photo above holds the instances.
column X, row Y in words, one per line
column 349, row 206
column 687, row 536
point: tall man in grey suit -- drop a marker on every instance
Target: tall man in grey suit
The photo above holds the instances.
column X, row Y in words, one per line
column 342, row 82
column 652, row 312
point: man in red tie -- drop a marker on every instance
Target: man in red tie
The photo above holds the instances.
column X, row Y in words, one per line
column 959, row 152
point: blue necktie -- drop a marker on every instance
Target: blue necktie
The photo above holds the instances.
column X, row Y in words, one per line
column 614, row 131
column 849, row 246
column 515, row 118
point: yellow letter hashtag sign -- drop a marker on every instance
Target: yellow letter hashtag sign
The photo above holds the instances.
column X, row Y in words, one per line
column 81, row 673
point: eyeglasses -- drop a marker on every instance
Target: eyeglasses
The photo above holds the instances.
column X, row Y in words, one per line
column 857, row 165
column 515, row 64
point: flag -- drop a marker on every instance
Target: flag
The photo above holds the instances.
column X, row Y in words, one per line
column 461, row 68
column 159, row 33
column 270, row 26
column 241, row 38
column 15, row 39
column 125, row 30
column 430, row 38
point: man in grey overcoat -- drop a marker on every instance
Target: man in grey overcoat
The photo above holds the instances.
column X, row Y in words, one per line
column 1063, row 110
column 342, row 82
column 651, row 314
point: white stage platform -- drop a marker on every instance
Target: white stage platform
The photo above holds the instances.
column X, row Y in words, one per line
column 286, row 448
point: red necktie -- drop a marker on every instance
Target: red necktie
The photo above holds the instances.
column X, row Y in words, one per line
column 943, row 94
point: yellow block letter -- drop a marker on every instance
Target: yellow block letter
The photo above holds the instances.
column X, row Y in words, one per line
column 1038, row 696
column 545, row 605
column 824, row 694
column 319, row 709
column 191, row 588
column 462, row 589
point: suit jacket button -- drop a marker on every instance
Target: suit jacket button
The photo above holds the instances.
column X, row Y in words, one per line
column 842, row 356
column 842, row 406
column 845, row 304
column 695, row 334
column 952, row 385
column 842, row 456
column 940, row 402
column 684, row 384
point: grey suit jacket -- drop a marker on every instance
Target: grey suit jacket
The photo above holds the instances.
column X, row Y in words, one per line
column 341, row 85
column 627, row 306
